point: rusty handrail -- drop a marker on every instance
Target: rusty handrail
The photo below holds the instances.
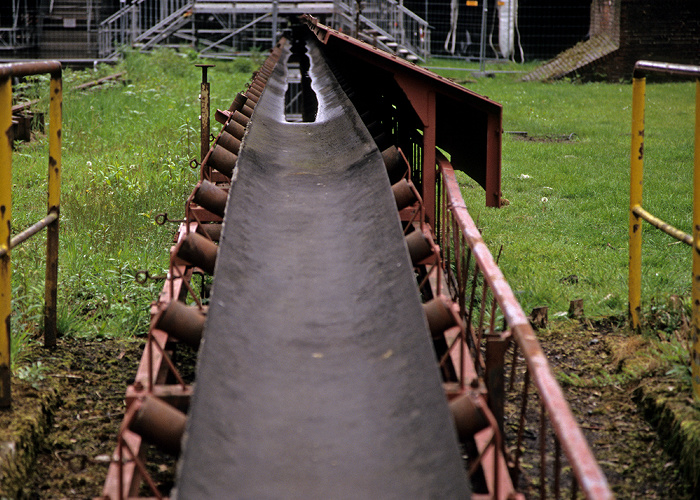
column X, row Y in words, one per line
column 7, row 72
column 590, row 477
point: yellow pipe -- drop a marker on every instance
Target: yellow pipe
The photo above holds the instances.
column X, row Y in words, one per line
column 636, row 182
column 54, row 198
column 5, row 234
column 55, row 117
column 695, row 343
column 663, row 226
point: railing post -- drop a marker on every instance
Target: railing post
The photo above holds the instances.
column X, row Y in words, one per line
column 636, row 182
column 695, row 344
column 5, row 235
column 204, row 97
column 53, row 205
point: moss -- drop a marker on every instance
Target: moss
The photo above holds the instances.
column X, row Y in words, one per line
column 24, row 427
column 678, row 423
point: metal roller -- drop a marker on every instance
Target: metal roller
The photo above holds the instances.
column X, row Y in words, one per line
column 198, row 251
column 419, row 246
column 211, row 197
column 404, row 194
column 229, row 141
column 185, row 323
column 160, row 424
column 222, row 160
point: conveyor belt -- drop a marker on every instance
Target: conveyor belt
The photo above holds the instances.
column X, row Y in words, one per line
column 316, row 377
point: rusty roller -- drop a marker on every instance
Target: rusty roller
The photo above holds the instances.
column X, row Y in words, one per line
column 468, row 416
column 438, row 312
column 255, row 91
column 404, row 194
column 419, row 246
column 213, row 230
column 211, row 197
column 232, row 127
column 198, row 251
column 258, row 86
column 247, row 108
column 237, row 103
column 223, row 160
column 252, row 97
column 185, row 323
column 393, row 161
column 261, row 79
column 229, row 141
column 160, row 424
column 239, row 117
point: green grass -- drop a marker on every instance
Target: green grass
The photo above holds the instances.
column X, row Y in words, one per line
column 568, row 212
column 126, row 153
column 127, row 147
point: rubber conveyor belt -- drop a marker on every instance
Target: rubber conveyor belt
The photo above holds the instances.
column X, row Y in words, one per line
column 316, row 378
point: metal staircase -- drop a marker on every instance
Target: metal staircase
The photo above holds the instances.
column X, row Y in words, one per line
column 386, row 24
column 226, row 28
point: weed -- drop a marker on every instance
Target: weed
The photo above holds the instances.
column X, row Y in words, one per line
column 33, row 374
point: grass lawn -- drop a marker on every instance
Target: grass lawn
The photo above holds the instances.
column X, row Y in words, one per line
column 565, row 231
column 126, row 153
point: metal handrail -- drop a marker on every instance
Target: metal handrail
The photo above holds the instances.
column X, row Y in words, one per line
column 7, row 72
column 637, row 214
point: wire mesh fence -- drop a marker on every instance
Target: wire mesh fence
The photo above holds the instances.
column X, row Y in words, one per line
column 517, row 30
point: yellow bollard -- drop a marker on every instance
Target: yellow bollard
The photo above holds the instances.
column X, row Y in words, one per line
column 5, row 235
column 636, row 183
column 695, row 343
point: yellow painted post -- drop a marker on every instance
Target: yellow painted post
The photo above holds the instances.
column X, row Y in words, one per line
column 51, row 284
column 695, row 344
column 636, row 183
column 5, row 235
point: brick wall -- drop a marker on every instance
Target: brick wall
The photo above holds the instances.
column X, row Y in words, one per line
column 657, row 30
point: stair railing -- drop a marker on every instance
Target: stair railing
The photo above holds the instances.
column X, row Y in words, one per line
column 393, row 26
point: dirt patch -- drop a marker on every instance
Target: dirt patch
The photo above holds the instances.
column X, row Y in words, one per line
column 637, row 462
column 90, row 380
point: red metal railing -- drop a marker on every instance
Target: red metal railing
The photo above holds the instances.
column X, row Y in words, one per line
column 476, row 284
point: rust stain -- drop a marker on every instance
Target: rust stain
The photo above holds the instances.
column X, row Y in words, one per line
column 641, row 151
column 58, row 133
column 635, row 228
column 52, row 161
column 3, row 208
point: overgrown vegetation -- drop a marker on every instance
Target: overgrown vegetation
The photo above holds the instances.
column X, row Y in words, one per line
column 126, row 152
